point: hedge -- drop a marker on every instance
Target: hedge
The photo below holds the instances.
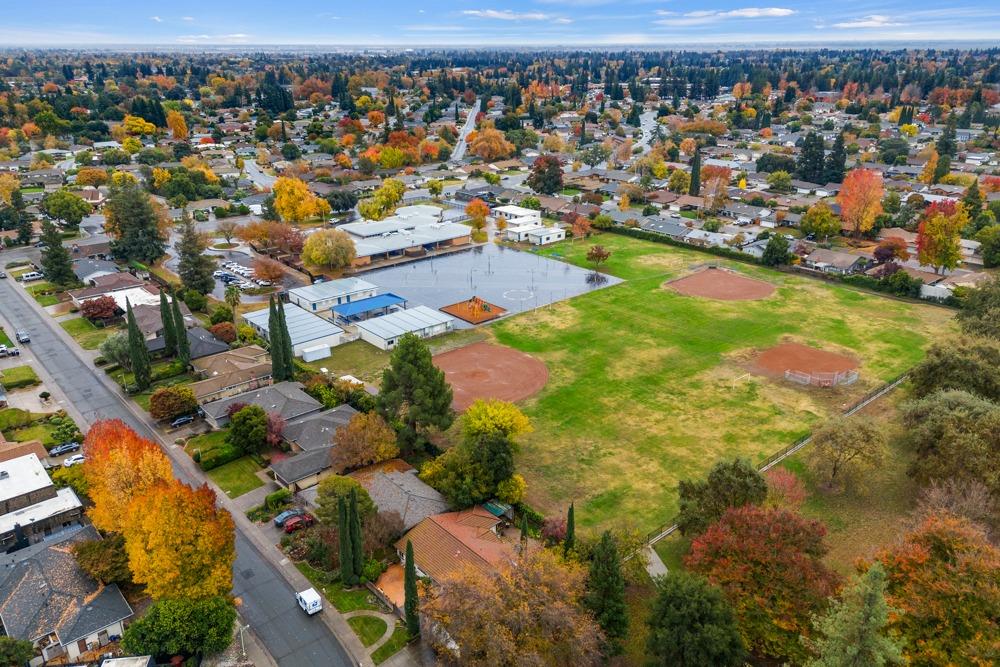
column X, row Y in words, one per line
column 173, row 369
column 18, row 377
column 218, row 456
column 277, row 499
column 11, row 418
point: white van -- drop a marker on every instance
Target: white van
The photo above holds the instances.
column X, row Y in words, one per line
column 31, row 275
column 310, row 601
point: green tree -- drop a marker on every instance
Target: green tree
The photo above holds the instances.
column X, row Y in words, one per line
column 354, row 526
column 729, row 484
column 844, row 448
column 285, row 346
column 134, row 225
column 15, row 652
column 546, row 175
column 820, row 221
column 836, row 162
column 105, row 560
column 967, row 363
column 980, row 313
column 692, row 625
column 776, row 251
column 339, row 486
column 853, row 629
column 606, row 592
column 182, row 627
column 66, row 206
column 414, row 397
column 809, row 166
column 194, row 266
column 137, row 351
column 412, row 600
column 56, row 262
column 274, row 340
column 780, row 181
column 694, row 188
column 344, row 543
column 570, row 540
column 180, row 331
column 232, row 297
column 972, row 199
column 989, row 246
column 169, row 330
column 248, row 429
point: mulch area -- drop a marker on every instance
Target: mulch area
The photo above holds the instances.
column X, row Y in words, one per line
column 484, row 370
column 474, row 311
column 802, row 358
column 722, row 284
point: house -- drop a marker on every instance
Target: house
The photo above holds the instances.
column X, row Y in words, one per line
column 201, row 343
column 303, row 470
column 394, row 487
column 384, row 332
column 87, row 270
column 311, row 335
column 231, row 372
column 316, row 431
column 443, row 544
column 150, row 321
column 31, row 507
column 104, row 285
column 671, row 227
column 286, row 399
column 323, row 296
column 834, row 261
column 46, row 599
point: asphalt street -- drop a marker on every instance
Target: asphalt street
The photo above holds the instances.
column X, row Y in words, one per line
column 268, row 604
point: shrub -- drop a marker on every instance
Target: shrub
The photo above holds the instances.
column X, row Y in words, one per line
column 224, row 331
column 278, row 498
column 11, row 418
column 221, row 313
column 218, row 456
column 195, row 300
column 372, row 570
column 171, row 402
column 166, row 371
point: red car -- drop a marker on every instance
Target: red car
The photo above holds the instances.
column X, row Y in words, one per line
column 299, row 522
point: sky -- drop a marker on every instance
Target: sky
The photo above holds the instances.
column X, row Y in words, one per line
column 582, row 23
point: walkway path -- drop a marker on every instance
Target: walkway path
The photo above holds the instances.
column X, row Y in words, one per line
column 654, row 564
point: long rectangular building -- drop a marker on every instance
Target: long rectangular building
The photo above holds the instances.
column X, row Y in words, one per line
column 384, row 332
column 414, row 230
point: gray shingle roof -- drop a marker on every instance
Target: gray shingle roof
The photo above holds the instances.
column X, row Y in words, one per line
column 316, row 430
column 286, row 398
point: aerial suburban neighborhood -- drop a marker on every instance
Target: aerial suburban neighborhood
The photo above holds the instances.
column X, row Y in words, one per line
column 628, row 350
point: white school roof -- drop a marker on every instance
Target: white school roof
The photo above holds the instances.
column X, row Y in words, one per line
column 331, row 289
column 303, row 326
column 404, row 321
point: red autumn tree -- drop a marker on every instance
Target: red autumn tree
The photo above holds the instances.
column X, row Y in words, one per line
column 890, row 249
column 860, row 199
column 768, row 562
column 103, row 308
column 224, row 331
column 944, row 581
column 785, row 489
column 120, row 465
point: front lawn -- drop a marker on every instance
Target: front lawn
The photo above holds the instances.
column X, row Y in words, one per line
column 643, row 388
column 344, row 600
column 237, row 477
column 86, row 333
column 16, row 377
column 205, row 442
column 369, row 629
column 41, row 430
column 399, row 639
column 38, row 291
column 5, row 339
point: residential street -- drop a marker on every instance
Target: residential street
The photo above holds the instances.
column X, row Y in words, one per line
column 470, row 125
column 267, row 597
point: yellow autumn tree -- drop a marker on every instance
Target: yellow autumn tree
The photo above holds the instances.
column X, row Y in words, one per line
column 177, row 124
column 122, row 178
column 9, row 184
column 131, row 145
column 160, row 177
column 927, row 174
column 179, row 543
column 195, row 163
column 294, row 203
column 135, row 125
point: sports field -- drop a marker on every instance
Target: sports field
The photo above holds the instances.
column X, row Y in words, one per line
column 648, row 386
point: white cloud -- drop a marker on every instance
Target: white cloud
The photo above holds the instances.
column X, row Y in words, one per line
column 156, row 18
column 870, row 21
column 703, row 17
column 189, row 19
column 230, row 38
column 506, row 15
column 432, row 27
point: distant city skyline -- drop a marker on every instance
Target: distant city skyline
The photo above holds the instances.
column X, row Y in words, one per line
column 580, row 23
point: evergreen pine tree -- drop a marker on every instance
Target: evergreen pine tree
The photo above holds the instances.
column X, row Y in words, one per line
column 137, row 351
column 943, row 167
column 194, row 267
column 809, row 166
column 606, row 592
column 24, row 228
column 169, row 329
column 570, row 538
column 180, row 332
column 344, row 541
column 412, row 602
column 131, row 214
column 56, row 262
column 972, row 199
column 853, row 628
column 287, row 353
column 524, row 533
column 274, row 340
column 414, row 395
column 695, row 187
column 836, row 161
column 946, row 142
column 357, row 543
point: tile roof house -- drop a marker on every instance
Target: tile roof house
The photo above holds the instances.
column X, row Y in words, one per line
column 285, row 398
column 45, row 598
column 444, row 543
column 394, row 487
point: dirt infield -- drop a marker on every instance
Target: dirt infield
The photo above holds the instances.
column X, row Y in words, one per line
column 802, row 358
column 483, row 370
column 722, row 284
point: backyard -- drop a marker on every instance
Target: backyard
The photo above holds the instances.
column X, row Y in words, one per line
column 648, row 386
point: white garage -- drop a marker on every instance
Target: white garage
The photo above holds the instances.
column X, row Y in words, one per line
column 384, row 332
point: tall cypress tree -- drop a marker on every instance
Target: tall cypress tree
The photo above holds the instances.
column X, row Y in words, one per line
column 180, row 333
column 169, row 328
column 570, row 530
column 137, row 351
column 357, row 544
column 695, row 187
column 287, row 353
column 606, row 592
column 274, row 339
column 344, row 542
column 412, row 602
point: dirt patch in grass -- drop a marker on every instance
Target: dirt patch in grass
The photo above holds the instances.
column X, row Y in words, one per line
column 487, row 371
column 802, row 359
column 721, row 284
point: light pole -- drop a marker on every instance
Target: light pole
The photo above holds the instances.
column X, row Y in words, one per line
column 243, row 647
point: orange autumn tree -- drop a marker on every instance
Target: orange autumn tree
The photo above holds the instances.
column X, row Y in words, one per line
column 179, row 543
column 120, row 466
column 490, row 143
column 860, row 199
column 177, row 124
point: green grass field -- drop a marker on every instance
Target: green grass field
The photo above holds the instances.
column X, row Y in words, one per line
column 237, row 477
column 369, row 629
column 5, row 339
column 85, row 333
column 36, row 289
column 641, row 391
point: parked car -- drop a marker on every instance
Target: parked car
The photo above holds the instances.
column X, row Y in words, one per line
column 76, row 459
column 31, row 275
column 64, row 448
column 310, row 601
column 3, row 274
column 13, row 352
column 299, row 522
column 218, row 274
column 280, row 520
column 23, row 337
column 181, row 421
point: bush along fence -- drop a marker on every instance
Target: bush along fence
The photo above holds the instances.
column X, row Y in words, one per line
column 777, row 457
